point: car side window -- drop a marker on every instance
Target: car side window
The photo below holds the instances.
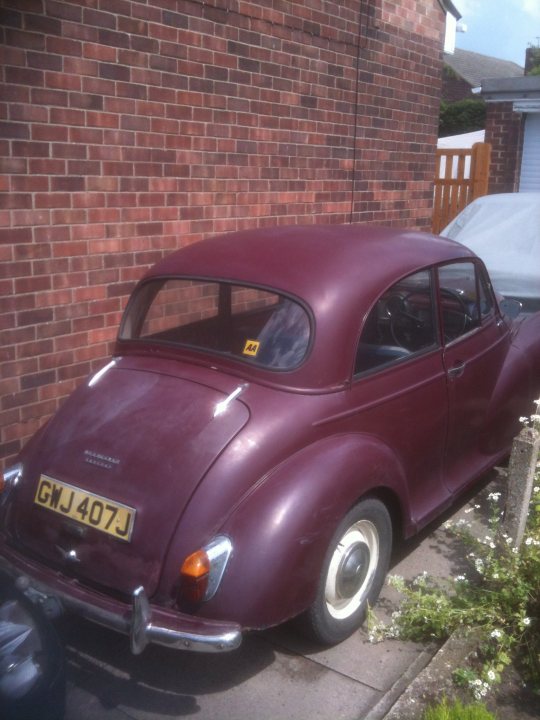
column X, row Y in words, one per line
column 400, row 324
column 487, row 305
column 458, row 292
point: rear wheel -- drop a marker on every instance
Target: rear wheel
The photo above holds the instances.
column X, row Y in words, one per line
column 353, row 573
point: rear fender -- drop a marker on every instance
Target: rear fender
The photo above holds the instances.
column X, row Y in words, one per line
column 281, row 529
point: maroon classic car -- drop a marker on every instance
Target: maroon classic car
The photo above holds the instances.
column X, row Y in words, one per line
column 282, row 406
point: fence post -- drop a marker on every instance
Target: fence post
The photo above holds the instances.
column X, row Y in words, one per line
column 460, row 183
column 480, row 159
column 521, row 471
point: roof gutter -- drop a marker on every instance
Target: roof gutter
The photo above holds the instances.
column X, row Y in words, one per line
column 523, row 92
column 449, row 7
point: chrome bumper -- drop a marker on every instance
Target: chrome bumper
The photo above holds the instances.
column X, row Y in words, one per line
column 144, row 623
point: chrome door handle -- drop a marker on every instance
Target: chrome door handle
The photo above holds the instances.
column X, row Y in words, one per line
column 456, row 370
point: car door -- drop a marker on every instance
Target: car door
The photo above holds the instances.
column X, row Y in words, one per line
column 399, row 390
column 475, row 343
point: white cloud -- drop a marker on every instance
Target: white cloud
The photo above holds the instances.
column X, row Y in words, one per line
column 531, row 8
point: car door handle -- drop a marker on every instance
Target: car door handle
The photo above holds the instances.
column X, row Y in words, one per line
column 456, row 370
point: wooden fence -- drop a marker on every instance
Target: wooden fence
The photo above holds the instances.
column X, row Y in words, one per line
column 461, row 175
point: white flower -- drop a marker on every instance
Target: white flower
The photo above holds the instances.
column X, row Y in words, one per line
column 529, row 541
column 496, row 634
column 527, row 621
column 494, row 496
column 479, row 565
column 491, row 675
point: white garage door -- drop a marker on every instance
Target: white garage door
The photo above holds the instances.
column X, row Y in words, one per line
column 529, row 180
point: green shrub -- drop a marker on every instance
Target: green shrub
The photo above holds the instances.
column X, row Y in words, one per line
column 462, row 116
column 457, row 711
column 498, row 599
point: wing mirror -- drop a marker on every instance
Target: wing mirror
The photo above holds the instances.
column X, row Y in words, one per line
column 510, row 308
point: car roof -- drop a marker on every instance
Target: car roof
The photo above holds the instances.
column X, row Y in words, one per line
column 303, row 260
column 339, row 271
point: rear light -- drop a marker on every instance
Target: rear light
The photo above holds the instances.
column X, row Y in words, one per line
column 8, row 480
column 202, row 571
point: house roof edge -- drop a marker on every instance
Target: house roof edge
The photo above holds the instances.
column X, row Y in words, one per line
column 448, row 6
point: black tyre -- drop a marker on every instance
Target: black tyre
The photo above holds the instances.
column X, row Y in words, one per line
column 353, row 573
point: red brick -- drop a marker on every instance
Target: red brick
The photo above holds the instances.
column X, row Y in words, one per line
column 62, row 81
column 46, row 235
column 63, row 46
column 49, row 97
column 30, row 381
column 68, row 151
column 102, row 119
column 58, row 9
column 15, row 200
column 47, row 167
column 99, row 52
column 14, row 130
column 21, row 39
column 53, row 133
column 55, row 359
column 99, row 19
column 28, row 113
column 52, row 200
column 69, row 249
column 67, row 116
column 79, row 370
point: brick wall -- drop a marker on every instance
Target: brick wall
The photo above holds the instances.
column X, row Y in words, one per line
column 505, row 133
column 130, row 127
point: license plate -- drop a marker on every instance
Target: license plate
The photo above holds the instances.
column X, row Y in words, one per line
column 85, row 507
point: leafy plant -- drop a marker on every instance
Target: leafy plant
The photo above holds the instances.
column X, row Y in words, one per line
column 498, row 599
column 457, row 711
column 462, row 116
column 533, row 54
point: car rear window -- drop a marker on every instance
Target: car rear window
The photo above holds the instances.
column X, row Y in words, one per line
column 256, row 325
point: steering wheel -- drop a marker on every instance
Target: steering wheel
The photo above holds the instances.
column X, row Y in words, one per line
column 406, row 328
column 456, row 317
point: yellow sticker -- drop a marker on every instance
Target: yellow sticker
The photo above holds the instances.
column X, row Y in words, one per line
column 251, row 348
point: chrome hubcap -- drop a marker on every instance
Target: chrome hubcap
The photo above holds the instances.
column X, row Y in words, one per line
column 351, row 570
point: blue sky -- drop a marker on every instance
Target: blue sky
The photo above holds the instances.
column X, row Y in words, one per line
column 500, row 28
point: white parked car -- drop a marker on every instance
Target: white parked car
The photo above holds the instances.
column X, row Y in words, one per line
column 504, row 230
